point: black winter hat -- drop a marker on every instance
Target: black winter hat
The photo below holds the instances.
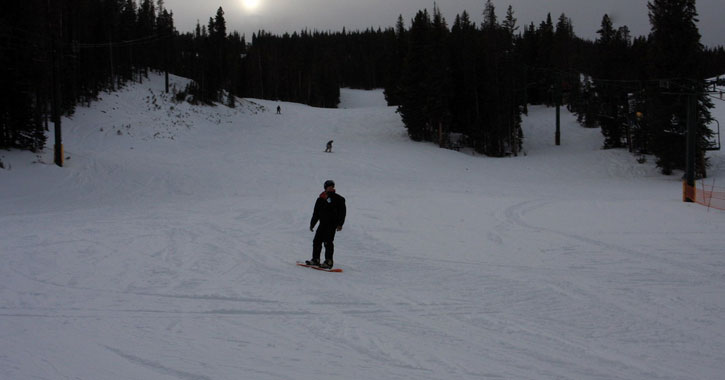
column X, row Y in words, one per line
column 329, row 183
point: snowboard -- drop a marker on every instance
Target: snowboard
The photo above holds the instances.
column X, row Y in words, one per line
column 303, row 264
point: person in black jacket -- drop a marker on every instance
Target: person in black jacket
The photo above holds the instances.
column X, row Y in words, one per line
column 330, row 211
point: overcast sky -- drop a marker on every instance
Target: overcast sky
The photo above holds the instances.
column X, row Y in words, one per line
column 279, row 16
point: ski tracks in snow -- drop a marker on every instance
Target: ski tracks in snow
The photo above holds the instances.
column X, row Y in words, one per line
column 175, row 258
column 619, row 296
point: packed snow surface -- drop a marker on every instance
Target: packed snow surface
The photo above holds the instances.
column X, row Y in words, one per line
column 165, row 248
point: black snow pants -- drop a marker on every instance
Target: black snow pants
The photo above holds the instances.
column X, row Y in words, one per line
column 324, row 235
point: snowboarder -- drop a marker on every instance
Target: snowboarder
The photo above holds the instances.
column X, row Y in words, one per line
column 330, row 211
column 279, row 110
column 329, row 147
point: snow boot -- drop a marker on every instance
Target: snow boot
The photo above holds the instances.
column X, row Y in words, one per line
column 315, row 262
column 326, row 265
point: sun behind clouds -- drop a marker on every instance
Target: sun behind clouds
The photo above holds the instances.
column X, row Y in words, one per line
column 251, row 5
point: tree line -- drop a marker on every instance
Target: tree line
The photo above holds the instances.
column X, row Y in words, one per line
column 637, row 89
column 476, row 81
column 55, row 55
column 464, row 85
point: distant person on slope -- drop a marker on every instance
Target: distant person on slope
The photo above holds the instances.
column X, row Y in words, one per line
column 330, row 211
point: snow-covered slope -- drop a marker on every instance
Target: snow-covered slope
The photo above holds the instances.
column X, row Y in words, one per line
column 165, row 249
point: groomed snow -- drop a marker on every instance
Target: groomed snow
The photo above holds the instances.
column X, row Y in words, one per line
column 165, row 249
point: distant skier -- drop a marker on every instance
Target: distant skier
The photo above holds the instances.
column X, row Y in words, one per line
column 330, row 211
column 279, row 110
column 329, row 147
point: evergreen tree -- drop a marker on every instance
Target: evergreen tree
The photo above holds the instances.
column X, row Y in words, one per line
column 165, row 32
column 489, row 16
column 465, row 105
column 606, row 31
column 396, row 60
column 23, row 73
column 675, row 54
column 439, row 80
column 145, row 29
column 127, row 32
column 499, row 131
column 607, row 96
column 514, row 100
column 215, row 57
column 426, row 84
column 563, row 49
column 413, row 83
column 509, row 22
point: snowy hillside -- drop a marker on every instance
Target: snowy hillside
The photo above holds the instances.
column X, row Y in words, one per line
column 165, row 249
